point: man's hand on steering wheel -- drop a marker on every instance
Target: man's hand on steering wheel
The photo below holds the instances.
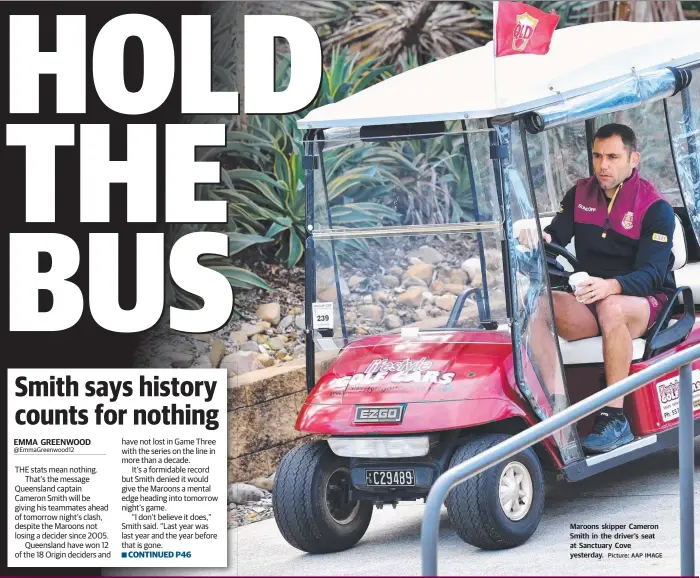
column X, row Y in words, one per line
column 528, row 237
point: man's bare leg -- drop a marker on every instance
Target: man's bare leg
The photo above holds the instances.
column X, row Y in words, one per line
column 622, row 318
column 574, row 321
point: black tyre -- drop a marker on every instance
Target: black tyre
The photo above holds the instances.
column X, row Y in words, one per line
column 310, row 501
column 502, row 506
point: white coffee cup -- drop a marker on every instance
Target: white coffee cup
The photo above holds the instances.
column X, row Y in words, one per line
column 577, row 278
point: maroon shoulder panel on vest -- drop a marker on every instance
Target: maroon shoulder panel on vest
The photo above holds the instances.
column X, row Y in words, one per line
column 631, row 204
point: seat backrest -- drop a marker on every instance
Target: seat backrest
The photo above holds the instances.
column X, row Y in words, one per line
column 680, row 245
column 679, row 248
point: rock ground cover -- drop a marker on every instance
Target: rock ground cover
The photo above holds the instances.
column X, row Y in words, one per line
column 267, row 328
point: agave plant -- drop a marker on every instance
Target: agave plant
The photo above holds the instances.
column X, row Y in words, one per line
column 236, row 276
column 264, row 180
column 391, row 30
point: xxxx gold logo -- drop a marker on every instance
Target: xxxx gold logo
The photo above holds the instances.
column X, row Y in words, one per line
column 523, row 31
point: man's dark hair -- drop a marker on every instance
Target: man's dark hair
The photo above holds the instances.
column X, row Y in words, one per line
column 627, row 135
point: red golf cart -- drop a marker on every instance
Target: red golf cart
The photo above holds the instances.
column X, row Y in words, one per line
column 421, row 307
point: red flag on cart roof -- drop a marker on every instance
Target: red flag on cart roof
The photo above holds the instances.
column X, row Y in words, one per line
column 522, row 29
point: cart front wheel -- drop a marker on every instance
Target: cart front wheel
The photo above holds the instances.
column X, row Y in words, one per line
column 311, row 501
column 501, row 507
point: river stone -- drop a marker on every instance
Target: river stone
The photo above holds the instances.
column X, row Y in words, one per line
column 243, row 493
column 277, row 343
column 459, row 276
column 250, row 330
column 472, row 267
column 286, row 322
column 328, row 294
column 262, row 483
column 494, row 260
column 446, row 302
column 381, row 297
column 250, row 346
column 326, row 280
column 397, row 271
column 356, row 280
column 238, row 337
column 421, row 270
column 478, row 281
column 427, row 255
column 393, row 322
column 390, row 281
column 455, row 288
column 269, row 312
column 412, row 297
column 373, row 312
column 240, row 362
column 217, row 353
column 367, row 299
column 415, row 282
column 265, row 360
column 437, row 287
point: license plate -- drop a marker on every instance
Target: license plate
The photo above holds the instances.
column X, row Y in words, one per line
column 391, row 478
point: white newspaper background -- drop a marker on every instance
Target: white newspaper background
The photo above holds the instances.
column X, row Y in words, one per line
column 111, row 495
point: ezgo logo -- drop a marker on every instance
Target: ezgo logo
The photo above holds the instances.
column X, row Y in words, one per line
column 381, row 414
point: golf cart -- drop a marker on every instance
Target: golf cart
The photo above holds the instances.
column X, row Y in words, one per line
column 423, row 313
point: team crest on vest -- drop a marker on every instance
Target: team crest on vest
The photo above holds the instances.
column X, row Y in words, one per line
column 523, row 31
column 628, row 220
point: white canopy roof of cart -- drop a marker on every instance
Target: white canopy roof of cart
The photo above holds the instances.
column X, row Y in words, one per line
column 581, row 59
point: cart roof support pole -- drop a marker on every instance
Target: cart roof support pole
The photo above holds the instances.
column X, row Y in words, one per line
column 692, row 152
column 500, row 152
column 336, row 273
column 485, row 311
column 590, row 133
column 309, row 263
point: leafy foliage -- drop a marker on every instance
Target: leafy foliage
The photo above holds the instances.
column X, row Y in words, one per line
column 396, row 31
column 263, row 182
column 236, row 276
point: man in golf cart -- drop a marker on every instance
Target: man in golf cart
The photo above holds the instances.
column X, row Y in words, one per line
column 623, row 232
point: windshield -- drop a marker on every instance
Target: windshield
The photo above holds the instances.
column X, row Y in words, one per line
column 398, row 226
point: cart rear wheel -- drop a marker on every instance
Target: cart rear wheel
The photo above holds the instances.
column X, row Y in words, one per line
column 501, row 507
column 310, row 501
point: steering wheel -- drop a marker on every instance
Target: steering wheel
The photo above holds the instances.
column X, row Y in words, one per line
column 557, row 274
